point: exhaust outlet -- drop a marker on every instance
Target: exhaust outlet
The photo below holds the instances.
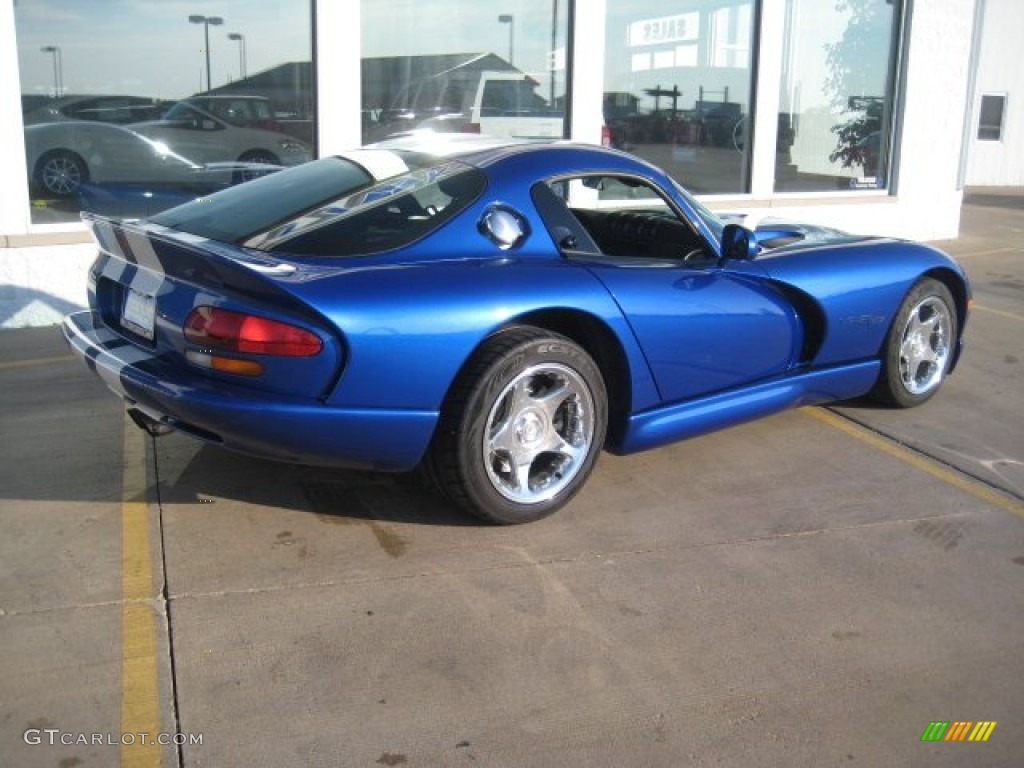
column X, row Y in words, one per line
column 148, row 424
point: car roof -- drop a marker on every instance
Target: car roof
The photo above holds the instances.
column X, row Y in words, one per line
column 481, row 150
column 216, row 96
column 447, row 145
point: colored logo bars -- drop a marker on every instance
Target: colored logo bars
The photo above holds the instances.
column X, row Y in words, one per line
column 958, row 730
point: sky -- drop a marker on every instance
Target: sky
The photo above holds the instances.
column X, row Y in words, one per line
column 400, row 27
column 149, row 48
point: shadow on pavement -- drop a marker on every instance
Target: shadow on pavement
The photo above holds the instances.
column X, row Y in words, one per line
column 336, row 495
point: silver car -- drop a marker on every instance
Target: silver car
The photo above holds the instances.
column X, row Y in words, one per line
column 205, row 138
column 63, row 156
column 101, row 109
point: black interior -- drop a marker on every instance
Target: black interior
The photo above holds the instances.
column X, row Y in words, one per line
column 642, row 234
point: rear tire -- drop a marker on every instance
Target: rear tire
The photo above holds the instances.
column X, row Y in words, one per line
column 919, row 346
column 521, row 428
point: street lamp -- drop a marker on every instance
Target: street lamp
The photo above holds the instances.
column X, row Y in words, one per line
column 508, row 18
column 58, row 69
column 206, row 21
column 240, row 39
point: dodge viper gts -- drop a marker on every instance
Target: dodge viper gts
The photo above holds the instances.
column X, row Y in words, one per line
column 496, row 314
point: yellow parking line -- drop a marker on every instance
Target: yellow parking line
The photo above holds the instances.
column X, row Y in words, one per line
column 36, row 361
column 961, row 482
column 140, row 688
column 989, row 252
column 1000, row 312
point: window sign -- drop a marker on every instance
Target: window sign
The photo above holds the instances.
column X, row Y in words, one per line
column 668, row 29
column 130, row 108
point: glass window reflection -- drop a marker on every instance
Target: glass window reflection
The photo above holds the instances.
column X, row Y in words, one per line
column 471, row 68
column 128, row 110
column 677, row 87
column 837, row 95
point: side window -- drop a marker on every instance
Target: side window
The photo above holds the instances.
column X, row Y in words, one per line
column 620, row 216
column 185, row 117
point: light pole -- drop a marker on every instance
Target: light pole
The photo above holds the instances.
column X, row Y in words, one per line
column 554, row 42
column 58, row 69
column 508, row 18
column 240, row 39
column 206, row 21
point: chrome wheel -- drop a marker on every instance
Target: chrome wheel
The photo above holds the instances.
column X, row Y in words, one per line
column 919, row 346
column 538, row 433
column 925, row 345
column 61, row 174
column 521, row 428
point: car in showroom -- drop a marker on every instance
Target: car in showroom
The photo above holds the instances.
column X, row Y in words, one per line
column 196, row 133
column 97, row 108
column 109, row 167
column 496, row 314
column 61, row 156
column 241, row 110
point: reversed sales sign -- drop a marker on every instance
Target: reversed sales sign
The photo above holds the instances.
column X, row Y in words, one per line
column 682, row 28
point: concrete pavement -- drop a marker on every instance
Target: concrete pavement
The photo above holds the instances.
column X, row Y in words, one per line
column 794, row 592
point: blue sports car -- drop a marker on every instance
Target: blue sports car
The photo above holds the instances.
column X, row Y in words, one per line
column 496, row 314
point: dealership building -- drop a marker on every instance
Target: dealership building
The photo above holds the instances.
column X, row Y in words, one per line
column 870, row 116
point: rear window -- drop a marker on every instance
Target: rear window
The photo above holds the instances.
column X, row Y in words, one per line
column 388, row 215
column 334, row 206
column 238, row 213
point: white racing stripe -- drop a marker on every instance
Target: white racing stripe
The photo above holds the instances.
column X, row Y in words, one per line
column 125, row 354
column 379, row 163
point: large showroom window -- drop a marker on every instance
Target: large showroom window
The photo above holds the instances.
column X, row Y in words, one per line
column 677, row 87
column 464, row 67
column 132, row 107
column 836, row 104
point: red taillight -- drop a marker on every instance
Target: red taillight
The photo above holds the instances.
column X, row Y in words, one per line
column 214, row 328
column 606, row 136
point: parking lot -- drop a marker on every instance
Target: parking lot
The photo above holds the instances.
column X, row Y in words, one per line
column 813, row 589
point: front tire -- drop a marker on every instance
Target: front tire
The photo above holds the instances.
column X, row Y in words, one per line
column 919, row 346
column 61, row 172
column 522, row 427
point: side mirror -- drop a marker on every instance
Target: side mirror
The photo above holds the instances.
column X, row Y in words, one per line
column 739, row 243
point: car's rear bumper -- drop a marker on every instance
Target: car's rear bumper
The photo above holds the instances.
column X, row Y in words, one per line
column 260, row 424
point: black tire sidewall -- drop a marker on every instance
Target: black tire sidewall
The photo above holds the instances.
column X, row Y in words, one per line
column 484, row 499
column 890, row 386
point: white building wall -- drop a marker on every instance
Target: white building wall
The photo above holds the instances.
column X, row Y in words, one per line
column 1000, row 71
